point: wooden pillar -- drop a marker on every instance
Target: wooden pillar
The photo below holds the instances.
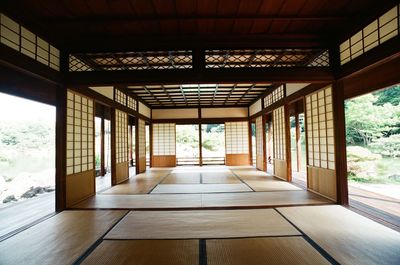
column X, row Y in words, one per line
column 298, row 139
column 137, row 145
column 130, row 146
column 264, row 143
column 102, row 146
column 113, row 149
column 151, row 143
column 61, row 148
column 287, row 140
column 340, row 142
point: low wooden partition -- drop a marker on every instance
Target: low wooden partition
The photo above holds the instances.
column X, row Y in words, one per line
column 79, row 187
column 164, row 161
column 237, row 159
column 280, row 169
column 141, row 165
column 122, row 172
column 322, row 181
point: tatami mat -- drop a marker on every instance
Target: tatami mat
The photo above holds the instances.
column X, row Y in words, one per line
column 261, row 251
column 277, row 185
column 139, row 184
column 200, row 188
column 60, row 239
column 278, row 198
column 201, row 224
column 141, row 201
column 148, row 252
column 182, row 178
column 347, row 236
column 219, row 178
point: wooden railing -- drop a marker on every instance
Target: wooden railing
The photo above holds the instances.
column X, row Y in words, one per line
column 183, row 161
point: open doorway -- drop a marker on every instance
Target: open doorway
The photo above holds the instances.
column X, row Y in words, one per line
column 298, row 144
column 131, row 146
column 102, row 148
column 27, row 162
column 147, row 145
column 373, row 153
column 213, row 144
column 187, row 144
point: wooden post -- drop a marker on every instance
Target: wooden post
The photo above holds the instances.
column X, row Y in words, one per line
column 340, row 142
column 137, row 145
column 130, row 146
column 287, row 139
column 200, row 140
column 113, row 148
column 102, row 146
column 298, row 138
column 151, row 143
column 61, row 148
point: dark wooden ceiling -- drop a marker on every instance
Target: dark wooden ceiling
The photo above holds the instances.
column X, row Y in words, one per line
column 82, row 25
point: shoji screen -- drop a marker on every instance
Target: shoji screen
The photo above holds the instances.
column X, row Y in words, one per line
column 141, row 164
column 80, row 148
column 121, row 147
column 164, row 145
column 237, row 143
column 320, row 143
column 259, row 144
column 280, row 156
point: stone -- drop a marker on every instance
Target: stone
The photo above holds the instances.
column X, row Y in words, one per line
column 9, row 198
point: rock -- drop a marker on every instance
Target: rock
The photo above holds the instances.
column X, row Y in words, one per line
column 49, row 189
column 394, row 177
column 38, row 190
column 9, row 198
column 29, row 194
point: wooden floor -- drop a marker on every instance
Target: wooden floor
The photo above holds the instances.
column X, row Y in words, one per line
column 128, row 224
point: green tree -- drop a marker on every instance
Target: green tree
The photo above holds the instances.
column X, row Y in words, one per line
column 366, row 121
column 390, row 95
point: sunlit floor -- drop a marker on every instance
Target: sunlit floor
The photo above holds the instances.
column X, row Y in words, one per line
column 208, row 215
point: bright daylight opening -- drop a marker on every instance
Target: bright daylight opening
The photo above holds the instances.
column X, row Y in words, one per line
column 27, row 162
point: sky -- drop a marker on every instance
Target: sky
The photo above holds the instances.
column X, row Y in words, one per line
column 15, row 108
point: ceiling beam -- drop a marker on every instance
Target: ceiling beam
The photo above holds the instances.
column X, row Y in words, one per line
column 110, row 20
column 188, row 76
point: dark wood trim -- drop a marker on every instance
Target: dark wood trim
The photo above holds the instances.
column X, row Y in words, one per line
column 340, row 143
column 198, row 121
column 113, row 149
column 153, row 77
column 137, row 145
column 203, row 107
column 379, row 76
column 151, row 143
column 20, row 84
column 288, row 143
column 370, row 58
column 129, row 93
column 18, row 61
column 102, row 146
column 109, row 102
column 289, row 99
column 61, row 149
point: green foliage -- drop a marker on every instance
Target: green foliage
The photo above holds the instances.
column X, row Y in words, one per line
column 388, row 146
column 391, row 95
column 366, row 121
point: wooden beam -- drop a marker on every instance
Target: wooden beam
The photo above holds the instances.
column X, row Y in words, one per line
column 340, row 143
column 61, row 148
column 247, row 75
column 20, row 62
column 102, row 146
column 199, row 120
column 151, row 143
column 288, row 145
column 113, row 148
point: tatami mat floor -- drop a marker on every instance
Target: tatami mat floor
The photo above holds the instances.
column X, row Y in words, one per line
column 205, row 228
